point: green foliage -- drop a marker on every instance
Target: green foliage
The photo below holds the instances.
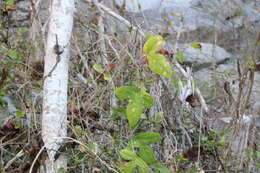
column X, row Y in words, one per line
column 102, row 71
column 157, row 62
column 148, row 138
column 180, row 57
column 250, row 63
column 153, row 44
column 127, row 154
column 19, row 115
column 107, row 76
column 147, row 100
column 126, row 92
column 134, row 110
column 146, row 154
column 138, row 101
column 13, row 54
column 79, row 131
column 61, row 170
column 254, row 155
column 118, row 112
column 98, row 68
column 138, row 153
column 159, row 168
column 9, row 4
column 196, row 45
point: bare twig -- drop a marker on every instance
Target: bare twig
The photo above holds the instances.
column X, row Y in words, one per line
column 9, row 163
column 120, row 18
column 90, row 151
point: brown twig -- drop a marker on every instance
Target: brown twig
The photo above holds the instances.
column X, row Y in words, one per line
column 3, row 77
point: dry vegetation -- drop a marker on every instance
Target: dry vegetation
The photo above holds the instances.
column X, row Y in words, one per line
column 98, row 128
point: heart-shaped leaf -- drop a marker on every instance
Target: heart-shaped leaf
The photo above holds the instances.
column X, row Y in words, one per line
column 159, row 64
column 153, row 44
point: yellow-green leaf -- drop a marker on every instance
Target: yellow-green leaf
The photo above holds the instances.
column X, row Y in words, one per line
column 196, row 45
column 13, row 54
column 147, row 99
column 129, row 167
column 159, row 168
column 153, row 44
column 127, row 154
column 98, row 68
column 146, row 153
column 107, row 76
column 180, row 57
column 126, row 92
column 134, row 110
column 148, row 137
column 9, row 4
column 143, row 167
column 159, row 64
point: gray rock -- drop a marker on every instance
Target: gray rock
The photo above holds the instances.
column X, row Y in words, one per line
column 209, row 53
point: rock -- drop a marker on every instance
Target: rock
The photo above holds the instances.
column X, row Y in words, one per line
column 7, row 113
column 136, row 6
column 20, row 17
column 209, row 53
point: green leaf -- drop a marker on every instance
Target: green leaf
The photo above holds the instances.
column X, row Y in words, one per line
column 257, row 154
column 147, row 99
column 9, row 4
column 134, row 110
column 93, row 147
column 180, row 57
column 143, row 167
column 133, row 144
column 107, row 76
column 146, row 153
column 126, row 92
column 159, row 168
column 153, row 44
column 12, row 54
column 118, row 112
column 19, row 115
column 127, row 154
column 196, row 45
column 148, row 137
column 62, row 170
column 159, row 64
column 98, row 68
column 21, row 31
column 129, row 167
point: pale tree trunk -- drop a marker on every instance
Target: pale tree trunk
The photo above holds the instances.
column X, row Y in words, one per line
column 54, row 117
